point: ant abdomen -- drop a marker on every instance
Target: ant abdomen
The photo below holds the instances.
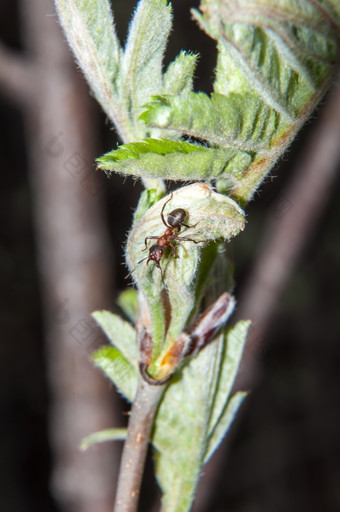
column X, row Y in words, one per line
column 176, row 217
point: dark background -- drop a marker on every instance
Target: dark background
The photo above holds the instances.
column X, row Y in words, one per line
column 284, row 448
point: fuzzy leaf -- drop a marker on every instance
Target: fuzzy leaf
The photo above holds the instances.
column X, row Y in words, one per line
column 182, row 436
column 175, row 160
column 118, row 369
column 224, row 423
column 148, row 198
column 220, row 120
column 120, row 333
column 224, row 408
column 109, row 434
column 233, row 350
column 141, row 68
column 212, row 217
column 275, row 62
column 178, row 78
column 284, row 53
column 90, row 31
column 128, row 302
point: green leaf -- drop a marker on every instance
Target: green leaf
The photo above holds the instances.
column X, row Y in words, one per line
column 192, row 417
column 109, row 434
column 212, row 217
column 178, row 78
column 274, row 63
column 224, row 423
column 232, row 354
column 128, row 302
column 175, row 160
column 224, row 409
column 120, row 333
column 120, row 362
column 284, row 53
column 118, row 369
column 90, row 31
column 218, row 119
column 141, row 67
column 147, row 199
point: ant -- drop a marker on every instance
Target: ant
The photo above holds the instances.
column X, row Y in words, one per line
column 175, row 221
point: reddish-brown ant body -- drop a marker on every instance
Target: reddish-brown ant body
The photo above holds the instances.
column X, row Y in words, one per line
column 175, row 221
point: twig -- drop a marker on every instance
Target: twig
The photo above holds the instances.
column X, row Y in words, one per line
column 136, row 446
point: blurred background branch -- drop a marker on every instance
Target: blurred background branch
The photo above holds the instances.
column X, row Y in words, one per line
column 73, row 250
column 16, row 75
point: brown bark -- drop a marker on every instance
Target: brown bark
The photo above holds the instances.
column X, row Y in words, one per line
column 73, row 252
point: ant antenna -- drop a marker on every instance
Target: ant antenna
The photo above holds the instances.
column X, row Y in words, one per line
column 140, row 261
column 132, row 271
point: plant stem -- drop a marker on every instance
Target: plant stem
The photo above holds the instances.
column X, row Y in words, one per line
column 136, row 446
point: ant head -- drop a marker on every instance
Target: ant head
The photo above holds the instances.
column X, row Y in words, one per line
column 155, row 253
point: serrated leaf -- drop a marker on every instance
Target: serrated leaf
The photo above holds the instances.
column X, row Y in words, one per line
column 90, row 31
column 120, row 333
column 109, row 434
column 220, row 120
column 178, row 78
column 175, row 160
column 118, row 369
column 212, row 217
column 141, row 68
column 187, row 429
column 282, row 52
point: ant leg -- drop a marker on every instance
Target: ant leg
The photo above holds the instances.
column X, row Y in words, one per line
column 164, row 205
column 182, row 239
column 149, row 238
column 160, row 268
column 174, row 252
column 187, row 225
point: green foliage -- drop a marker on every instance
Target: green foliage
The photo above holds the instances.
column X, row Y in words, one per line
column 123, row 80
column 194, row 416
column 283, row 55
column 90, row 31
column 120, row 361
column 141, row 66
column 275, row 61
column 218, row 120
column 175, row 160
column 128, row 302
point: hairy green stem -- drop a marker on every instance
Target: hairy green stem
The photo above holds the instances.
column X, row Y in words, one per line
column 136, row 445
